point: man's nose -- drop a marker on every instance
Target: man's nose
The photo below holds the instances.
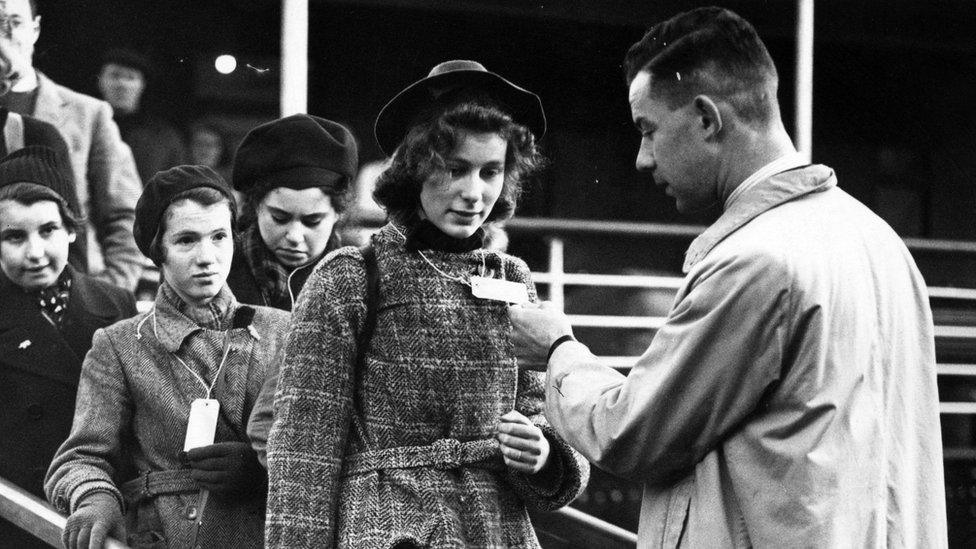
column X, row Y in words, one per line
column 645, row 160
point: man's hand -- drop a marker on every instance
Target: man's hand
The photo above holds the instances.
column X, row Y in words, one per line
column 98, row 516
column 536, row 327
column 524, row 446
column 229, row 468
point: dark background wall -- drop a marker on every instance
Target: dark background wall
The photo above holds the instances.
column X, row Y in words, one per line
column 892, row 107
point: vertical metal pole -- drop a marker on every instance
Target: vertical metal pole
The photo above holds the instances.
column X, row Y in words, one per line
column 804, row 77
column 294, row 56
column 556, row 284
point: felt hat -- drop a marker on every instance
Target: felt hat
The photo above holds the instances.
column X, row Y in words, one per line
column 444, row 84
column 298, row 152
column 158, row 195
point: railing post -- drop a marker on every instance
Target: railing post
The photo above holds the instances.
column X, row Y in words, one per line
column 294, row 57
column 804, row 77
column 556, row 272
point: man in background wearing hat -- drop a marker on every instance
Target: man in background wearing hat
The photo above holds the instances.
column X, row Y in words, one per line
column 156, row 144
column 295, row 174
column 50, row 314
column 107, row 181
column 789, row 399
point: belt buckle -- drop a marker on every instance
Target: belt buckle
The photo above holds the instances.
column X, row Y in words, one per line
column 447, row 453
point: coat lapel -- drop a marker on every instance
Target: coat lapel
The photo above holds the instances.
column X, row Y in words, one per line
column 49, row 105
column 766, row 195
column 29, row 342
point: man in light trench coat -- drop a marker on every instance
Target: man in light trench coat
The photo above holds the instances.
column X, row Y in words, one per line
column 790, row 399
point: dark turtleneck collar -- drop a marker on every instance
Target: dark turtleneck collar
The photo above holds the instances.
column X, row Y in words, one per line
column 424, row 235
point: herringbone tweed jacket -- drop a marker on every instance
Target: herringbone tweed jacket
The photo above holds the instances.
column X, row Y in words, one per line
column 133, row 403
column 440, row 364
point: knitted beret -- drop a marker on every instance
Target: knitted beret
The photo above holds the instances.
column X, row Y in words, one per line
column 298, row 152
column 39, row 165
column 158, row 195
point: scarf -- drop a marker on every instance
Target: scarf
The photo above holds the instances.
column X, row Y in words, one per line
column 53, row 300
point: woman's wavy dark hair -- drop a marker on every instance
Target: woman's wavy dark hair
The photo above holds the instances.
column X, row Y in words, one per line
column 421, row 156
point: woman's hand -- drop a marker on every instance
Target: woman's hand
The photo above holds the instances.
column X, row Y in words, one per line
column 523, row 445
column 98, row 516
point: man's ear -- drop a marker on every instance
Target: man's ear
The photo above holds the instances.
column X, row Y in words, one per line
column 72, row 236
column 37, row 28
column 709, row 116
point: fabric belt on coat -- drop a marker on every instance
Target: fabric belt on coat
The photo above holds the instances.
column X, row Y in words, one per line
column 155, row 483
column 446, row 453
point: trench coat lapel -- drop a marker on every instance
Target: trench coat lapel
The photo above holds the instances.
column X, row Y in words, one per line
column 774, row 191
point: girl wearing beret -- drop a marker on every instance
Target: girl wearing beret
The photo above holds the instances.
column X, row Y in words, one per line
column 294, row 174
column 49, row 313
column 159, row 429
column 427, row 435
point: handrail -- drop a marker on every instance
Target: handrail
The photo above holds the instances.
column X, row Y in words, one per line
column 611, row 531
column 36, row 516
column 563, row 226
column 40, row 519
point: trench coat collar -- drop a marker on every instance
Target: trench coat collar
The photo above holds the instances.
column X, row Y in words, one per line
column 764, row 196
column 172, row 323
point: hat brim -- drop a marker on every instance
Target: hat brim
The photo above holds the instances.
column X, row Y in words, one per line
column 396, row 117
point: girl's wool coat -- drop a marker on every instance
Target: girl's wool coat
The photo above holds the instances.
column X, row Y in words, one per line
column 39, row 369
column 130, row 419
column 440, row 367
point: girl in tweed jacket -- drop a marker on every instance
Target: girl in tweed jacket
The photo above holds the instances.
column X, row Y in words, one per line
column 431, row 438
column 144, row 375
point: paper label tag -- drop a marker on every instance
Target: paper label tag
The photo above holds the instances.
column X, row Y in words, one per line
column 202, row 425
column 499, row 290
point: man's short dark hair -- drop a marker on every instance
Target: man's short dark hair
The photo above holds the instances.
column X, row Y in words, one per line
column 710, row 51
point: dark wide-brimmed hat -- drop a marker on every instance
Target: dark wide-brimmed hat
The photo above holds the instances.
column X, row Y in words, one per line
column 298, row 152
column 396, row 118
column 159, row 193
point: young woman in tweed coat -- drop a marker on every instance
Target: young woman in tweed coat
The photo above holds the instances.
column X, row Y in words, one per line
column 436, row 440
column 143, row 375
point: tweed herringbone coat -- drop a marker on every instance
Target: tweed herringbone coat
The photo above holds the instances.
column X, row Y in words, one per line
column 440, row 365
column 133, row 403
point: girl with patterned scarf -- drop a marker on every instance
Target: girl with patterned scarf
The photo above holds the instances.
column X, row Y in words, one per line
column 426, row 434
column 49, row 315
column 294, row 174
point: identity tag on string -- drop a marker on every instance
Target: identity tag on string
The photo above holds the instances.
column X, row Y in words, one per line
column 202, row 425
column 499, row 290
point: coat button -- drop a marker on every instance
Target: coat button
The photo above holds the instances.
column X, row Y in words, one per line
column 35, row 411
column 191, row 512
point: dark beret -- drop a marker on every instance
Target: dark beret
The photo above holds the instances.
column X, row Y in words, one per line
column 39, row 165
column 158, row 195
column 298, row 152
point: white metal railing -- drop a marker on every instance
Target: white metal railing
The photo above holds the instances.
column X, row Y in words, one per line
column 556, row 279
